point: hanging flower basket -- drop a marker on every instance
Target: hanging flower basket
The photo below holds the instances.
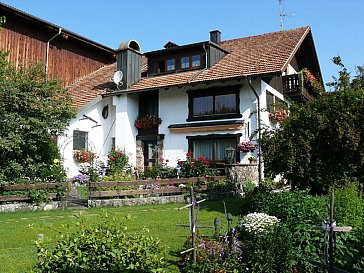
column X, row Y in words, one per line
column 83, row 156
column 246, row 146
column 147, row 122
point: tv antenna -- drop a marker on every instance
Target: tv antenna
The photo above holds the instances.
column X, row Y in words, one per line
column 118, row 79
column 282, row 13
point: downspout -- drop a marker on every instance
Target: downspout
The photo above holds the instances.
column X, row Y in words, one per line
column 47, row 52
column 260, row 169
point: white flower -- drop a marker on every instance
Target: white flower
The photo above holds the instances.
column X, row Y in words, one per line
column 258, row 222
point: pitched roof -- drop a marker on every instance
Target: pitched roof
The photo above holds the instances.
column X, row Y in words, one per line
column 249, row 56
column 88, row 88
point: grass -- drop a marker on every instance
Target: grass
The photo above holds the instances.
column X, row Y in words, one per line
column 18, row 230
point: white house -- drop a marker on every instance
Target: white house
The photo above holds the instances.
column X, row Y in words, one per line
column 207, row 95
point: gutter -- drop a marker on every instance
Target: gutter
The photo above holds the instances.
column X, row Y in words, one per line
column 260, row 169
column 47, row 52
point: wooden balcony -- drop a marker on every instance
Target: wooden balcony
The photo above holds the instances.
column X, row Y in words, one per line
column 295, row 90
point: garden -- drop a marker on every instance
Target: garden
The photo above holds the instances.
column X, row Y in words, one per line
column 317, row 151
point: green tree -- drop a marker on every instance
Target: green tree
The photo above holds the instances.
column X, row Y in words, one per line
column 33, row 110
column 322, row 142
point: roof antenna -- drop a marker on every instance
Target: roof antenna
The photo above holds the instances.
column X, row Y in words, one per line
column 283, row 14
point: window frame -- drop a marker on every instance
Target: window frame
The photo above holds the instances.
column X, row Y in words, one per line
column 214, row 137
column 165, row 61
column 190, row 67
column 214, row 92
column 85, row 140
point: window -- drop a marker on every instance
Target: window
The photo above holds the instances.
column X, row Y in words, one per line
column 214, row 103
column 170, row 65
column 196, row 60
column 185, row 62
column 161, row 66
column 274, row 103
column 80, row 139
column 166, row 65
column 213, row 148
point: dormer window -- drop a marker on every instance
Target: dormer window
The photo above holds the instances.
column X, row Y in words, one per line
column 164, row 66
column 171, row 65
column 196, row 60
column 185, row 62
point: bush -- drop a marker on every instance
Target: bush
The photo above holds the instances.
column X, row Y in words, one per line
column 117, row 161
column 299, row 211
column 349, row 206
column 269, row 251
column 104, row 247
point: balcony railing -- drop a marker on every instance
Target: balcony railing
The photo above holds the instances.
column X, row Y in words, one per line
column 294, row 89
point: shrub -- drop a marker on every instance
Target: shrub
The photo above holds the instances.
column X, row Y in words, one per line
column 194, row 167
column 349, row 206
column 104, row 247
column 300, row 211
column 117, row 161
column 269, row 251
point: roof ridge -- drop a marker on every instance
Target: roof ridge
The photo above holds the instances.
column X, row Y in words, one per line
column 89, row 75
column 265, row 34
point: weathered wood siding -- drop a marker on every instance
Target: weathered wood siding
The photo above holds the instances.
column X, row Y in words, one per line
column 69, row 57
column 215, row 55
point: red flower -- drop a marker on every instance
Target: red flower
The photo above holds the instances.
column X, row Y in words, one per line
column 206, row 162
column 201, row 158
column 179, row 162
column 167, row 160
column 161, row 159
column 191, row 165
column 188, row 154
column 113, row 158
column 119, row 153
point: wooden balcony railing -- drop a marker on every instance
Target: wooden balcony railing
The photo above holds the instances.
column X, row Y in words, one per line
column 294, row 89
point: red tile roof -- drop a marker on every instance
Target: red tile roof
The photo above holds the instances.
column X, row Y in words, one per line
column 255, row 55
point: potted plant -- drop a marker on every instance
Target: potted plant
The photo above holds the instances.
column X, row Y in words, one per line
column 252, row 159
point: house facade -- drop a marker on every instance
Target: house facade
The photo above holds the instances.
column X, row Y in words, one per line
column 201, row 98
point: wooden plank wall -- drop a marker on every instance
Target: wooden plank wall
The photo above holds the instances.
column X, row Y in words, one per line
column 69, row 58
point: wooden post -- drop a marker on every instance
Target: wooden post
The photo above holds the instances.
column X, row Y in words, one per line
column 193, row 225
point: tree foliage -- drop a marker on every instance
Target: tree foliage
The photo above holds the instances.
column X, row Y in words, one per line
column 322, row 142
column 33, row 110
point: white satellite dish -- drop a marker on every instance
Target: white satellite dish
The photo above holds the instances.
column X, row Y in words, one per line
column 118, row 77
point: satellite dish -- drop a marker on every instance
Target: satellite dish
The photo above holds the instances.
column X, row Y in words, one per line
column 118, row 77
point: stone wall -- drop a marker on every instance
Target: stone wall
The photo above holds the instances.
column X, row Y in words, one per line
column 31, row 207
column 242, row 173
column 136, row 201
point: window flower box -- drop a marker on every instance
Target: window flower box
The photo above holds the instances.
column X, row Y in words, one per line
column 147, row 122
column 246, row 146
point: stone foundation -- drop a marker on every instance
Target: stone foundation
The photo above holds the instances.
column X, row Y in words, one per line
column 31, row 207
column 136, row 201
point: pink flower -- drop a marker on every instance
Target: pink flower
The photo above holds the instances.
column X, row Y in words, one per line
column 161, row 159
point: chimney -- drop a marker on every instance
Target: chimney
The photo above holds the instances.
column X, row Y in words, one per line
column 129, row 61
column 215, row 36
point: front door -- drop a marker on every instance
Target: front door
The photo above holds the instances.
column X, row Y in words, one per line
column 150, row 153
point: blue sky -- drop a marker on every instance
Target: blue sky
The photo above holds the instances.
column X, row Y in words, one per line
column 337, row 25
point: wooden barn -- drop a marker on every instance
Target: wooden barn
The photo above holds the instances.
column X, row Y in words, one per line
column 65, row 55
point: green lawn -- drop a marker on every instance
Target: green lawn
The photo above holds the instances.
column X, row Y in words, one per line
column 19, row 230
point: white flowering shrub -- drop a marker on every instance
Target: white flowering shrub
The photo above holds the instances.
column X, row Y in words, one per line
column 257, row 222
